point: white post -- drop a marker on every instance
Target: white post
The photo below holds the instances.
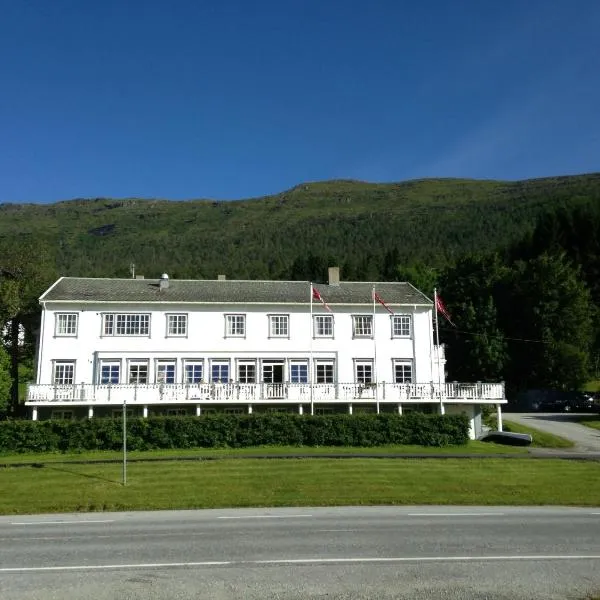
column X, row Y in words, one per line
column 198, row 410
column 145, row 412
column 249, row 409
column 310, row 365
column 90, row 412
column 300, row 409
column 399, row 409
column 350, row 408
column 34, row 414
column 375, row 355
column 499, row 416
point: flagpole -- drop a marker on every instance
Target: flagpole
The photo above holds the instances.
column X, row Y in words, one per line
column 310, row 365
column 375, row 355
column 437, row 337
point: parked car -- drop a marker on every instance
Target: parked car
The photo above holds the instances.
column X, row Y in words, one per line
column 555, row 401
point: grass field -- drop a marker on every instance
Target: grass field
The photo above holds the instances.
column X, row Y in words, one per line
column 297, row 482
column 592, row 421
column 541, row 439
column 474, row 447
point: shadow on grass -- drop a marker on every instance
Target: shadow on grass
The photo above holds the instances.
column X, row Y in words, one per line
column 78, row 474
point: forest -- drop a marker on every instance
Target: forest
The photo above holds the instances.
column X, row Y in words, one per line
column 515, row 262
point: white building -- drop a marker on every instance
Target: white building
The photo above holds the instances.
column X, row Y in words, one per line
column 197, row 346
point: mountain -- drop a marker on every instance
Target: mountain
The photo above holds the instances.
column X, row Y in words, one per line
column 352, row 223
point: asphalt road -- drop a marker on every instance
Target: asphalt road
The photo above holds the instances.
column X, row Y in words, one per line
column 585, row 438
column 334, row 553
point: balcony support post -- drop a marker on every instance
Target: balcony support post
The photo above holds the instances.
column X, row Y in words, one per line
column 499, row 416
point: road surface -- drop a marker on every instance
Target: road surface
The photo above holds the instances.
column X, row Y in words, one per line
column 497, row 553
column 585, row 438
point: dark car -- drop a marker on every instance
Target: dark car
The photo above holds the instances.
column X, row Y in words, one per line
column 555, row 401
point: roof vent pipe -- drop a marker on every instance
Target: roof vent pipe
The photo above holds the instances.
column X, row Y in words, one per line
column 163, row 284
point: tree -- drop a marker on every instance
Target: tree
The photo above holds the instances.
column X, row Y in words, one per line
column 477, row 349
column 26, row 271
column 550, row 315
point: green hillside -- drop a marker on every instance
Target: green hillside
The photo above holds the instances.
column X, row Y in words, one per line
column 350, row 222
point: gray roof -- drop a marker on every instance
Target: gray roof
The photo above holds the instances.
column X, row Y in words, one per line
column 82, row 289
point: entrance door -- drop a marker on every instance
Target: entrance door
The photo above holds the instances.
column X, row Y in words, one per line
column 272, row 374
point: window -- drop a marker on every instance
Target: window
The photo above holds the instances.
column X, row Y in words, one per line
column 138, row 372
column 363, row 325
column 324, row 372
column 126, row 324
column 193, row 372
column 64, row 373
column 299, row 372
column 235, row 325
column 176, row 412
column 118, row 413
column 61, row 414
column 66, row 324
column 403, row 371
column 177, row 325
column 323, row 326
column 363, row 371
column 247, row 372
column 401, row 325
column 165, row 372
column 219, row 372
column 279, row 326
column 110, row 372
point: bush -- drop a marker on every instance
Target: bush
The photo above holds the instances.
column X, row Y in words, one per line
column 234, row 431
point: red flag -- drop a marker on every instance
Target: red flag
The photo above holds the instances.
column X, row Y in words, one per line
column 440, row 306
column 379, row 299
column 317, row 296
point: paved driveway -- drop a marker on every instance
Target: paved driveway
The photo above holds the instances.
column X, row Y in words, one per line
column 585, row 438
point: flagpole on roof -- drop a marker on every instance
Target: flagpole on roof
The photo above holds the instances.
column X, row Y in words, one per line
column 310, row 366
column 375, row 354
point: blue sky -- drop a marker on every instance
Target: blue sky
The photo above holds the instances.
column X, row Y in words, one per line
column 237, row 98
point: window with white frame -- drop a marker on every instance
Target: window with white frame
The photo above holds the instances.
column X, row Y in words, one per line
column 323, row 325
column 324, row 371
column 126, row 324
column 299, row 372
column 247, row 372
column 66, row 324
column 401, row 325
column 138, row 372
column 362, row 325
column 193, row 371
column 110, row 372
column 165, row 371
column 219, row 371
column 403, row 371
column 177, row 325
column 363, row 371
column 64, row 372
column 235, row 325
column 279, row 325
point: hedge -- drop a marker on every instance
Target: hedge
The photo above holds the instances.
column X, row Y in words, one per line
column 234, row 431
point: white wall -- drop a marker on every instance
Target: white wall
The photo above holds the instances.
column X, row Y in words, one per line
column 206, row 339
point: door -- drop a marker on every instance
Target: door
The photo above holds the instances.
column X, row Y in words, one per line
column 272, row 373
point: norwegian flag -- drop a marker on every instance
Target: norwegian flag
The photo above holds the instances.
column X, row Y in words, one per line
column 378, row 298
column 317, row 296
column 441, row 308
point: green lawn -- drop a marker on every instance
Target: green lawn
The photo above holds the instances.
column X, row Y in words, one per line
column 473, row 447
column 541, row 439
column 298, row 482
column 592, row 421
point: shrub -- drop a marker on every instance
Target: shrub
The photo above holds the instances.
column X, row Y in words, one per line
column 234, row 431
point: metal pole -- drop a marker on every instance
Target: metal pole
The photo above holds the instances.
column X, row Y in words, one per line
column 437, row 336
column 124, row 442
column 375, row 356
column 310, row 365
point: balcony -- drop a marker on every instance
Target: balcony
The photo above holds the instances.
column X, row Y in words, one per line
column 249, row 393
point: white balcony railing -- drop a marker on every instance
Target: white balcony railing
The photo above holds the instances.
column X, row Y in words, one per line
column 248, row 393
